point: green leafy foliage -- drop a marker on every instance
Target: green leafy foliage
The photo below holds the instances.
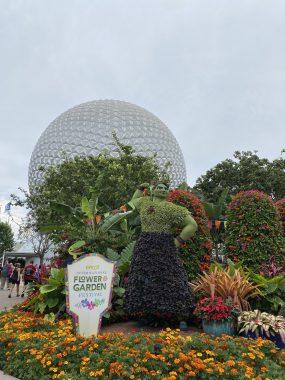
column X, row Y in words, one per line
column 253, row 232
column 112, row 179
column 123, row 262
column 245, row 171
column 6, row 237
column 272, row 292
column 95, row 232
column 48, row 297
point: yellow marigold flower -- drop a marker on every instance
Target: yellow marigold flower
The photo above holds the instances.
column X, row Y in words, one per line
column 199, row 354
column 208, row 360
column 48, row 363
column 132, row 376
column 173, row 373
column 251, row 355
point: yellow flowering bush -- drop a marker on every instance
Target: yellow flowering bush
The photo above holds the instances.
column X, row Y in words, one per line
column 32, row 348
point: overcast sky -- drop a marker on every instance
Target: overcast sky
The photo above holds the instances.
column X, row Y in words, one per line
column 212, row 70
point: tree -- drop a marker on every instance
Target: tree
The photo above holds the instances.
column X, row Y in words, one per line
column 246, row 171
column 6, row 237
column 113, row 179
column 41, row 243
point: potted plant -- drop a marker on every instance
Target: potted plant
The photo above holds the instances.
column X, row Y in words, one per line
column 254, row 324
column 218, row 316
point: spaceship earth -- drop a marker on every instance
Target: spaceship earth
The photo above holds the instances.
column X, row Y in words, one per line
column 86, row 130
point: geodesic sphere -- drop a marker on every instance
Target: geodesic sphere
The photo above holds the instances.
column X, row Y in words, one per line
column 86, row 130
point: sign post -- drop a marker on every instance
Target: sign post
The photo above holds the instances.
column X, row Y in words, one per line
column 89, row 282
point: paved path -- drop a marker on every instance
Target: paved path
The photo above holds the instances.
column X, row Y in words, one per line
column 6, row 377
column 6, row 303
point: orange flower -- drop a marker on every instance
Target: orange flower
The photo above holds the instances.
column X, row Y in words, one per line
column 98, row 218
column 123, row 208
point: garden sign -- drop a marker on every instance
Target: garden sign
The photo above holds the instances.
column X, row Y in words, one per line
column 89, row 282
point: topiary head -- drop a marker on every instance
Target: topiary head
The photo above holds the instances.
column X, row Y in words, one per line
column 160, row 191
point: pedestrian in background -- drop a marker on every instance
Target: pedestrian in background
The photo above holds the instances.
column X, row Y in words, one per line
column 28, row 275
column 5, row 275
column 15, row 279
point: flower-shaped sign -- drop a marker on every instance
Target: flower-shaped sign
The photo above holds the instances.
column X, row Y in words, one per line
column 89, row 282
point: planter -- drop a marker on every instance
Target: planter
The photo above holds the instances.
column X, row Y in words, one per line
column 276, row 339
column 218, row 328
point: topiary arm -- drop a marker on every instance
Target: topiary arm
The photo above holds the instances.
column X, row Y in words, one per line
column 189, row 227
column 138, row 195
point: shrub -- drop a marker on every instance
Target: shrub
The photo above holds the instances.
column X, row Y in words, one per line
column 196, row 252
column 33, row 349
column 253, row 232
column 226, row 283
column 281, row 210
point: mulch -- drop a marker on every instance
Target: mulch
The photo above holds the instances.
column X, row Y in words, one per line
column 131, row 327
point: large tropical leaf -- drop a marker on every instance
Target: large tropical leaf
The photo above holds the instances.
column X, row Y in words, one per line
column 85, row 207
column 48, row 288
column 52, row 302
column 93, row 202
column 111, row 220
column 76, row 246
column 57, row 275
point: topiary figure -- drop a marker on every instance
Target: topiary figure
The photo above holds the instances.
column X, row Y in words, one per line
column 281, row 209
column 157, row 284
column 253, row 232
column 196, row 252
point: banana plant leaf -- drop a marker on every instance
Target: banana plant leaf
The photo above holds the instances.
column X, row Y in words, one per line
column 111, row 220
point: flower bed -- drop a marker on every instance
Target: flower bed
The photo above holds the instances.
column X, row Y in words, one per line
column 32, row 348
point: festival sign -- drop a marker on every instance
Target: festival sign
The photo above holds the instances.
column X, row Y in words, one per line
column 89, row 282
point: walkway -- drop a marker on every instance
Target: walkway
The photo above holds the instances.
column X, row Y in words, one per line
column 6, row 303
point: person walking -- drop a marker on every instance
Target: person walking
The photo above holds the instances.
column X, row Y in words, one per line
column 5, row 275
column 15, row 279
column 28, row 276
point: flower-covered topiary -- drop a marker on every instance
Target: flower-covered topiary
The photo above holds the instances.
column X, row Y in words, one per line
column 253, row 232
column 281, row 209
column 196, row 252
